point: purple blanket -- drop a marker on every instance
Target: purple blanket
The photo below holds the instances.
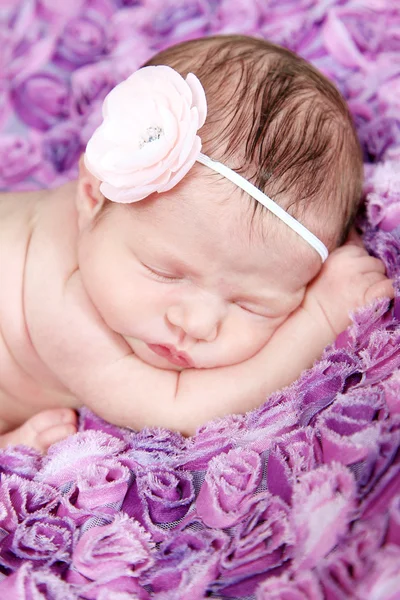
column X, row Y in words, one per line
column 297, row 500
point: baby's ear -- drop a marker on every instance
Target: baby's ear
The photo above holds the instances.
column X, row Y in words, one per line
column 89, row 199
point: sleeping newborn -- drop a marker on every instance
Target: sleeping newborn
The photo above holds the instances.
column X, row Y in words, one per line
column 181, row 279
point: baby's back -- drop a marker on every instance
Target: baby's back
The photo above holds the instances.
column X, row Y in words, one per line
column 26, row 385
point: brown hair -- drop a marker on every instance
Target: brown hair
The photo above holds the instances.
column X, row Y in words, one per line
column 276, row 119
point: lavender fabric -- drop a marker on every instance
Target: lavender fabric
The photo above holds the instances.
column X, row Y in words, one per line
column 297, row 500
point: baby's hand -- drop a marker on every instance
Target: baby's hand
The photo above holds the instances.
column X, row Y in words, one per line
column 350, row 278
column 43, row 429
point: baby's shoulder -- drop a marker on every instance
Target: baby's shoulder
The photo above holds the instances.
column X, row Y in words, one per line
column 16, row 210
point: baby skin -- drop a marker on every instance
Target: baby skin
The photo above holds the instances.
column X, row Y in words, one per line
column 169, row 312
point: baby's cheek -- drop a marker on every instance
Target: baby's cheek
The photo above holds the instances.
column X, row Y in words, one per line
column 255, row 335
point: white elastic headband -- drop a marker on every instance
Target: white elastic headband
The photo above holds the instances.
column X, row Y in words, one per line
column 258, row 195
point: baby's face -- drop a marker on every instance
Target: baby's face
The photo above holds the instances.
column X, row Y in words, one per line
column 187, row 282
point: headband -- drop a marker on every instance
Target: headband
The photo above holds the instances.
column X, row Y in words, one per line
column 148, row 142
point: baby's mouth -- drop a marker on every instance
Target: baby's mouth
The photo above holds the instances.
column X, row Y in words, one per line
column 181, row 359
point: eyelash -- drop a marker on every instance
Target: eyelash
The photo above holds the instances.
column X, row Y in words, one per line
column 161, row 277
column 167, row 279
column 252, row 312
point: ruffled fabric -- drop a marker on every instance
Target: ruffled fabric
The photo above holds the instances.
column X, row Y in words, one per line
column 299, row 499
column 148, row 139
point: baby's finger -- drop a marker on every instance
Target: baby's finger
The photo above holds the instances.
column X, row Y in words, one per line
column 55, row 434
column 51, row 417
column 380, row 289
column 354, row 238
column 370, row 264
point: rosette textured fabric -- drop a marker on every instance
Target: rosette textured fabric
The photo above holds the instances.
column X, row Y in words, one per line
column 298, row 499
column 147, row 141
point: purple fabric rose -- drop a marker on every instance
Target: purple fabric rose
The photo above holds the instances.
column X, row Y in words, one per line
column 180, row 19
column 321, row 498
column 301, row 586
column 294, row 531
column 389, row 95
column 60, row 11
column 384, row 197
column 212, row 439
column 260, row 544
column 383, row 582
column 349, row 431
column 384, row 483
column 392, row 393
column 382, row 358
column 89, row 87
column 65, row 460
column 26, row 43
column 42, row 539
column 120, row 588
column 63, row 147
column 159, row 497
column 154, row 446
column 243, row 19
column 131, row 47
column 378, row 136
column 84, row 40
column 319, row 392
column 41, row 100
column 294, row 453
column 5, row 107
column 121, row 548
column 20, row 460
column 88, row 421
column 228, row 487
column 21, row 498
column 19, row 158
column 283, row 23
column 30, row 583
column 99, row 490
column 342, row 570
column 187, row 563
column 340, row 43
column 393, row 534
column 274, row 418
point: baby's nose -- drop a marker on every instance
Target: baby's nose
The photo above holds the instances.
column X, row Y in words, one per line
column 200, row 320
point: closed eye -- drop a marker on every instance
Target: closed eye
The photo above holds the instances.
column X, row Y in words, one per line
column 259, row 311
column 167, row 278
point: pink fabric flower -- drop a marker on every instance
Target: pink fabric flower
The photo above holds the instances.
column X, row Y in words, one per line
column 147, row 141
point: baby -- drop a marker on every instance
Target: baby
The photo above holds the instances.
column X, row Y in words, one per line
column 162, row 288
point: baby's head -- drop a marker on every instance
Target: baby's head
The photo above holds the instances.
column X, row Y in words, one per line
column 278, row 121
column 203, row 267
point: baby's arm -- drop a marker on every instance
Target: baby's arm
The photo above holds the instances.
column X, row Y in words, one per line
column 349, row 279
column 128, row 392
column 183, row 401
column 151, row 397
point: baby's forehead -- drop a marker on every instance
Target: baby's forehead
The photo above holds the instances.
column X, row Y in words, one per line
column 210, row 214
